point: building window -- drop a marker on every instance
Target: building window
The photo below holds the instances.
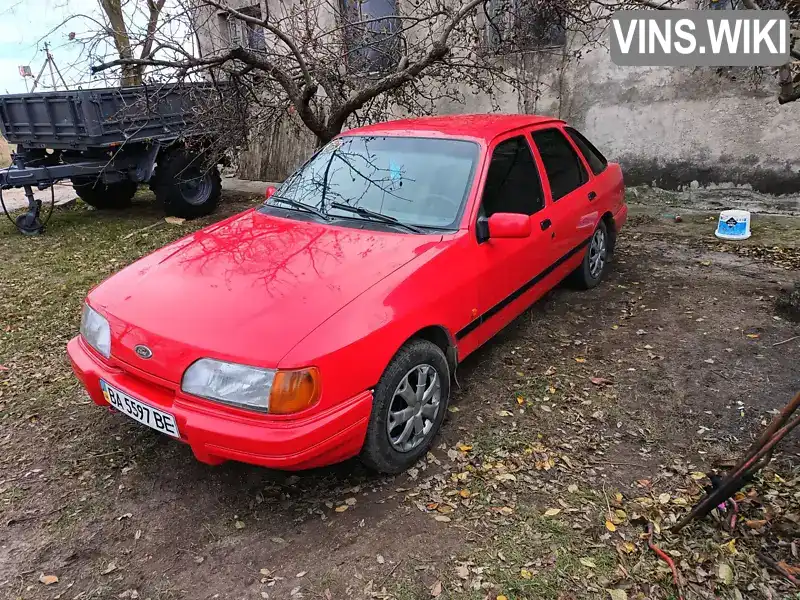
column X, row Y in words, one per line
column 246, row 35
column 372, row 37
column 520, row 25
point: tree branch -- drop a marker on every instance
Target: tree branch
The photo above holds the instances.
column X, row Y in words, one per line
column 272, row 29
column 155, row 7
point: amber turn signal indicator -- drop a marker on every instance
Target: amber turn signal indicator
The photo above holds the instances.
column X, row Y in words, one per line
column 293, row 391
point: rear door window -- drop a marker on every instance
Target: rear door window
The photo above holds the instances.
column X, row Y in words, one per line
column 596, row 161
column 564, row 168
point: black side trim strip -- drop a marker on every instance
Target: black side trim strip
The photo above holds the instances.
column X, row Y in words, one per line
column 473, row 325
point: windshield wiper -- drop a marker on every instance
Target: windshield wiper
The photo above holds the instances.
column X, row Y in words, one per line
column 300, row 206
column 375, row 216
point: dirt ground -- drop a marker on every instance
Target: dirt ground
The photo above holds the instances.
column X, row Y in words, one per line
column 592, row 412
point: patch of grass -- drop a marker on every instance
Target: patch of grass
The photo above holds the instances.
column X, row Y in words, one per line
column 5, row 153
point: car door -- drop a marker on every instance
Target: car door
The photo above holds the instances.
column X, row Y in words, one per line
column 607, row 183
column 569, row 186
column 506, row 269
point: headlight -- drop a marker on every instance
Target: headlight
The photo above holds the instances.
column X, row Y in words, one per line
column 267, row 390
column 95, row 330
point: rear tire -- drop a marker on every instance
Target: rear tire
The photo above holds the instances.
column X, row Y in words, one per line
column 404, row 421
column 595, row 259
column 185, row 185
column 95, row 192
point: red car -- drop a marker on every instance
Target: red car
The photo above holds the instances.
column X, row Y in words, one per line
column 329, row 322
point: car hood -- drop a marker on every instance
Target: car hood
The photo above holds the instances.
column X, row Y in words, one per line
column 245, row 290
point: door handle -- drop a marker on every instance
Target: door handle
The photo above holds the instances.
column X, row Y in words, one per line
column 545, row 224
column 592, row 195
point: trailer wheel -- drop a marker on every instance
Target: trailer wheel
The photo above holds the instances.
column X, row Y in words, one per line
column 99, row 194
column 186, row 185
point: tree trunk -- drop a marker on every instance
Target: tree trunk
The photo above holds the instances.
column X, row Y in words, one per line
column 131, row 74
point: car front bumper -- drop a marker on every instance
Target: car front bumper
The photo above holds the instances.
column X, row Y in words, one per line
column 216, row 434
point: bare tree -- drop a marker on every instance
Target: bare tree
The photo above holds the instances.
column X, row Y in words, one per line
column 332, row 62
column 132, row 74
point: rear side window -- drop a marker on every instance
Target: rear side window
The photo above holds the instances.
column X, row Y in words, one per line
column 512, row 183
column 565, row 171
column 597, row 162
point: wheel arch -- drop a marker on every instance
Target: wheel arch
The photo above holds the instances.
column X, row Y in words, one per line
column 441, row 337
column 611, row 228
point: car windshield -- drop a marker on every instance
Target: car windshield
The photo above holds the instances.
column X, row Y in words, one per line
column 417, row 181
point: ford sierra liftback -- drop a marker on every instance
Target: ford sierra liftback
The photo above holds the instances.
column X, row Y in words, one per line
column 328, row 322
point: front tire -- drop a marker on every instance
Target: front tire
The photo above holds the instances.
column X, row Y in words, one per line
column 409, row 405
column 595, row 260
column 186, row 185
column 95, row 192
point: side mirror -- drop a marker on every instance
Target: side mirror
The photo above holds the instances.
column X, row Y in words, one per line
column 509, row 225
column 270, row 191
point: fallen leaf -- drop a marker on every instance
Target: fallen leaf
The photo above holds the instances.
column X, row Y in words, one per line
column 501, row 597
column 277, row 540
column 730, row 546
column 618, row 594
column 125, row 516
column 110, row 568
column 445, row 509
column 628, row 547
column 572, row 488
column 588, row 562
column 436, row 589
column 301, row 574
column 442, row 519
column 342, row 508
column 350, row 501
column 709, row 361
column 507, row 510
column 520, row 400
column 663, row 499
column 462, row 571
column 239, row 524
column 452, row 409
column 618, row 495
column 580, row 360
column 697, row 475
column 464, row 447
column 725, row 573
column 380, row 559
column 753, row 336
column 465, row 493
column 265, row 572
column 174, row 220
column 552, row 512
column 610, row 526
column 525, row 574
column 601, row 381
column 48, row 579
column 506, row 477
column 755, row 523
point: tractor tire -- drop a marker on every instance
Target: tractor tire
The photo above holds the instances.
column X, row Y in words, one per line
column 185, row 186
column 101, row 195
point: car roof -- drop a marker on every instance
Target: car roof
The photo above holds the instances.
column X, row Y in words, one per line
column 477, row 127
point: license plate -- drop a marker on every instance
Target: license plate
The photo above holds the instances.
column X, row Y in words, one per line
column 139, row 411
